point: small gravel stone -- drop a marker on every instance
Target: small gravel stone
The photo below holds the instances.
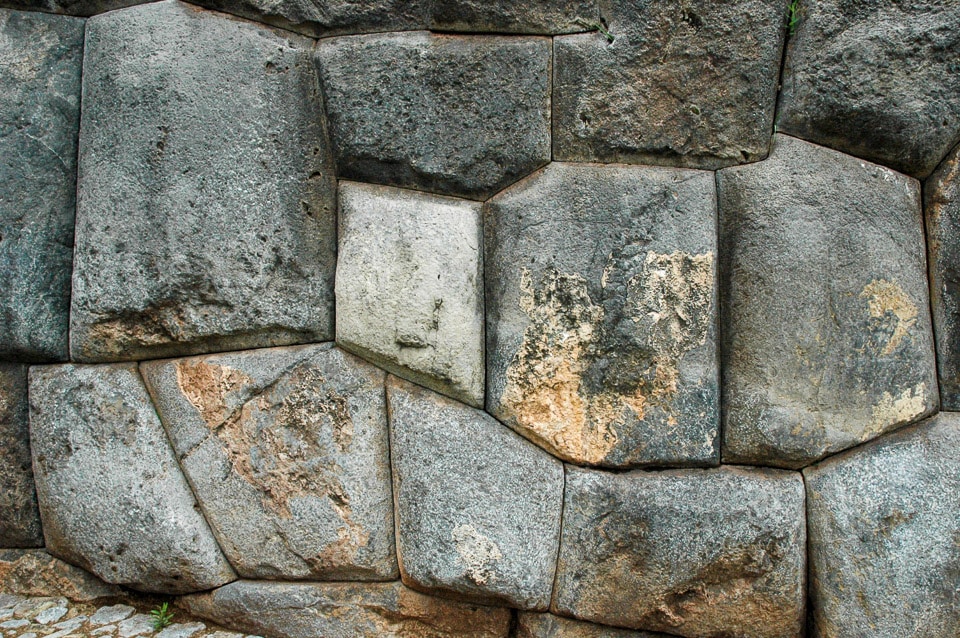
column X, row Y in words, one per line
column 111, row 614
column 16, row 622
column 182, row 630
column 51, row 614
column 135, row 626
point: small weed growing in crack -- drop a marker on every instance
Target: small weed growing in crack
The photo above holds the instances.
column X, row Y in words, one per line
column 597, row 26
column 793, row 16
column 162, row 616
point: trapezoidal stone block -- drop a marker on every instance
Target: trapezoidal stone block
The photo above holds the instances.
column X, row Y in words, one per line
column 601, row 309
column 547, row 17
column 826, row 320
column 287, row 452
column 206, row 215
column 19, row 517
column 533, row 625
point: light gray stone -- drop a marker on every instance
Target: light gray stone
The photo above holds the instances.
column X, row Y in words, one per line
column 478, row 507
column 601, row 309
column 51, row 615
column 137, row 625
column 287, row 451
column 827, row 321
column 37, row 573
column 505, row 16
column 111, row 495
column 70, row 7
column 410, row 286
column 181, row 630
column 206, row 214
column 532, row 625
column 695, row 552
column 19, row 517
column 111, row 614
column 457, row 115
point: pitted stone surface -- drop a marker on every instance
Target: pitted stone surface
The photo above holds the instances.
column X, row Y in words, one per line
column 478, row 507
column 70, row 7
column 827, row 323
column 885, row 536
column 676, row 86
column 198, row 233
column 878, row 80
column 601, row 311
column 19, row 516
column 457, row 115
column 532, row 625
column 505, row 16
column 695, row 552
column 111, row 495
column 40, row 60
column 37, row 573
column 410, row 286
column 287, row 451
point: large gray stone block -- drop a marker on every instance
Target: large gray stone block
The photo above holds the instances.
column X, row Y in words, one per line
column 547, row 17
column 206, row 215
column 601, row 310
column 70, row 7
column 478, row 507
column 532, row 625
column 40, row 62
column 696, row 552
column 287, row 452
column 885, row 536
column 826, row 321
column 19, row 517
column 111, row 495
column 457, row 115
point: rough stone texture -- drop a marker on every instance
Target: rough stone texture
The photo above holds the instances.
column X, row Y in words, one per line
column 40, row 60
column 37, row 573
column 287, row 451
column 531, row 625
column 827, row 325
column 885, row 536
column 458, row 115
column 698, row 552
column 478, row 508
column 677, row 85
column 505, row 16
column 198, row 233
column 19, row 516
column 111, row 495
column 409, row 286
column 70, row 7
column 601, row 312
column 387, row 610
column 878, row 80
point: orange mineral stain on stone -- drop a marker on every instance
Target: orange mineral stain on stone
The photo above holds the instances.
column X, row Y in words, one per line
column 888, row 298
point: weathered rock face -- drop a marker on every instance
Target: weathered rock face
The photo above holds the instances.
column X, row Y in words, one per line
column 37, row 573
column 827, row 323
column 504, row 16
column 878, row 80
column 112, row 497
column 478, row 507
column 40, row 60
column 287, row 451
column 199, row 233
column 690, row 552
column 458, row 115
column 70, row 7
column 410, row 286
column 601, row 300
column 885, row 535
column 666, row 84
column 19, row 516
column 531, row 625
column 387, row 610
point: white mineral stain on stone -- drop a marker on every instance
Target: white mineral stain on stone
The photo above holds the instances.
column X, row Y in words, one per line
column 887, row 297
column 477, row 552
column 891, row 410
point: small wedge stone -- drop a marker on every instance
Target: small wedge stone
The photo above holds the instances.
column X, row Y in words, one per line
column 19, row 517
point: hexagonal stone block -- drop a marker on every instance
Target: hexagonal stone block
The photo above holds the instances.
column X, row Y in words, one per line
column 478, row 507
column 601, row 311
column 670, row 84
column 206, row 216
column 697, row 552
column 884, row 530
column 878, row 80
column 409, row 286
column 827, row 324
column 19, row 517
column 287, row 452
column 503, row 16
column 532, row 625
column 39, row 119
column 458, row 115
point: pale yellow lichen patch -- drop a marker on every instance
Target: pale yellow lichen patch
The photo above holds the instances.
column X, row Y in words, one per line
column 206, row 385
column 477, row 552
column 893, row 410
column 887, row 297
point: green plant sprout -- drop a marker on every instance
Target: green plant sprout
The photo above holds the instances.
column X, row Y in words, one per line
column 596, row 26
column 793, row 16
column 162, row 616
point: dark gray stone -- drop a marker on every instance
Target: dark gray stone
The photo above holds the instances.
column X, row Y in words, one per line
column 879, row 80
column 70, row 7
column 531, row 625
column 826, row 313
column 547, row 17
column 40, row 60
column 458, row 115
column 478, row 507
column 601, row 312
column 37, row 573
column 885, row 536
column 206, row 215
column 19, row 516
column 666, row 83
column 697, row 552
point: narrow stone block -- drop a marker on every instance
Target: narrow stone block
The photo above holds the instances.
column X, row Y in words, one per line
column 548, row 17
column 19, row 517
column 34, row 572
column 532, row 625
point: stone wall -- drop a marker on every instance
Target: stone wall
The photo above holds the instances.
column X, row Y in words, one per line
column 569, row 318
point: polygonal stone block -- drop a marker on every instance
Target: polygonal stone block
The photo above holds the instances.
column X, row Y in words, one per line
column 504, row 16
column 19, row 517
column 34, row 572
column 70, row 7
column 532, row 625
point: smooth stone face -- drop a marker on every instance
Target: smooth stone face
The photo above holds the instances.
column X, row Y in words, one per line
column 531, row 625
column 878, row 80
column 505, row 16
column 206, row 215
column 287, row 452
column 826, row 313
column 457, row 115
column 70, row 7
column 410, row 286
column 111, row 495
column 601, row 313
column 40, row 61
column 884, row 530
column 19, row 517
column 478, row 507
column 37, row 573
column 699, row 552
column 677, row 86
